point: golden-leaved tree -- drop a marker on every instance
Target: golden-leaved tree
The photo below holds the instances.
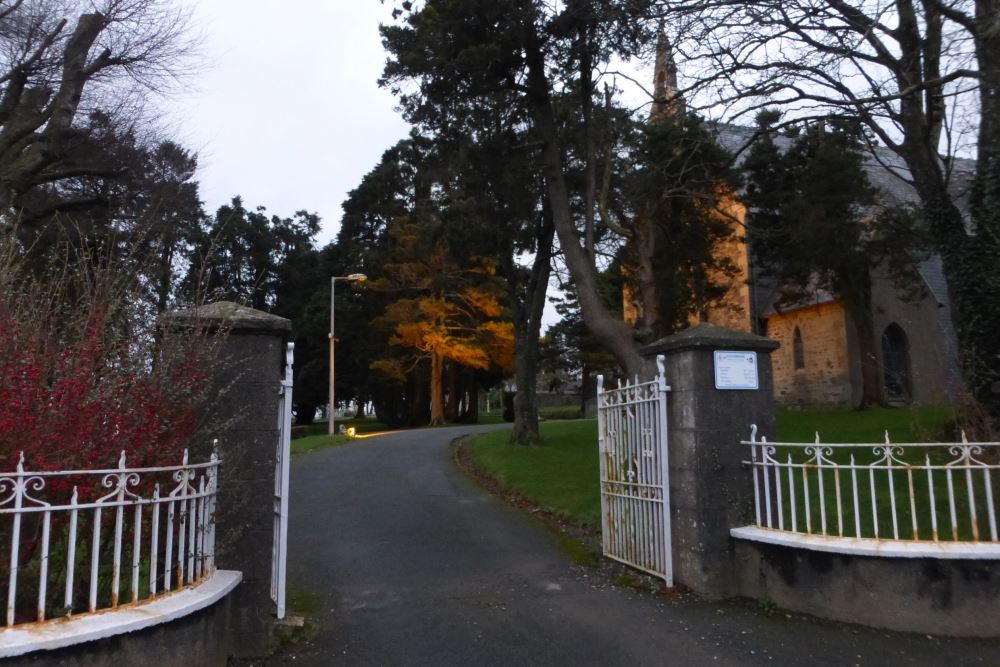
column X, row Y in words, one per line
column 452, row 314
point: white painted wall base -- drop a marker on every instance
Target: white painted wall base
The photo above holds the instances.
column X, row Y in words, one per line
column 871, row 547
column 59, row 633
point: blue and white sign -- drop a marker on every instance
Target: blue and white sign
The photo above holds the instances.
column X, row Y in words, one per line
column 736, row 370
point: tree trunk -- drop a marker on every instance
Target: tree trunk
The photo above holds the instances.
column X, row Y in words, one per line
column 970, row 261
column 981, row 343
column 860, row 310
column 525, row 431
column 586, row 388
column 647, row 324
column 611, row 332
column 29, row 139
column 972, row 271
column 471, row 415
column 587, row 104
column 454, row 394
column 417, row 401
column 437, row 389
column 527, row 327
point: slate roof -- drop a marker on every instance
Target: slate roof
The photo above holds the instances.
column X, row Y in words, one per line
column 888, row 173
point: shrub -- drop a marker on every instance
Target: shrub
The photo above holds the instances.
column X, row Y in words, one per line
column 84, row 374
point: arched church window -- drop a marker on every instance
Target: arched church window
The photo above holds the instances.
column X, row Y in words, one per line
column 896, row 364
column 798, row 351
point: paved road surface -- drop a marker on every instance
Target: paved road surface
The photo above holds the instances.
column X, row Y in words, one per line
column 409, row 563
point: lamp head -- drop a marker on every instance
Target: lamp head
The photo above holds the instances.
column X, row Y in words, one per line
column 357, row 277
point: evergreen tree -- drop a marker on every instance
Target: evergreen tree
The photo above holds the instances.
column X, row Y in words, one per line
column 453, row 316
column 678, row 186
column 816, row 225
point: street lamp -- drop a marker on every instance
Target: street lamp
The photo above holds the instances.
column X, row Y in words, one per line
column 353, row 278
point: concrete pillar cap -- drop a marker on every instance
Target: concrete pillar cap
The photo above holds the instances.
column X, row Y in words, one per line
column 228, row 315
column 710, row 337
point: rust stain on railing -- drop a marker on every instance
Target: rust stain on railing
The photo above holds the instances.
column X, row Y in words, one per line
column 26, row 495
column 883, row 497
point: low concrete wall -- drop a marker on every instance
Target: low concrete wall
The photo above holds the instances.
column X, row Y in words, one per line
column 203, row 638
column 959, row 598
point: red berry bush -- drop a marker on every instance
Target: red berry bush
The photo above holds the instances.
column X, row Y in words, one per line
column 84, row 375
column 75, row 399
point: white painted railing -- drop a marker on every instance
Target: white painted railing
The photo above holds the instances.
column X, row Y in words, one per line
column 77, row 539
column 930, row 493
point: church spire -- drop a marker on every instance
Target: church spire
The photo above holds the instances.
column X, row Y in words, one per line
column 666, row 98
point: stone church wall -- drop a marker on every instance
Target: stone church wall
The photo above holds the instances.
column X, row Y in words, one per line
column 825, row 378
column 733, row 310
column 923, row 324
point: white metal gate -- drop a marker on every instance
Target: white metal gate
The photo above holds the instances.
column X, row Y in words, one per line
column 281, row 463
column 635, row 488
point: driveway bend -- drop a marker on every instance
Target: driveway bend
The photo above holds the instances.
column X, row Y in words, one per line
column 406, row 562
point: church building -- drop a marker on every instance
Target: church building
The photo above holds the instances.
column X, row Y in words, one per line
column 818, row 363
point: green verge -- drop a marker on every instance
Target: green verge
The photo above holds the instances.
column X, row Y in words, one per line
column 561, row 474
column 917, row 424
column 318, row 438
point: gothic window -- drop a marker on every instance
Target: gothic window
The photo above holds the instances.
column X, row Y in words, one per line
column 798, row 352
column 896, row 364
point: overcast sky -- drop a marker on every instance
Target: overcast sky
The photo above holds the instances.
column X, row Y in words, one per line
column 286, row 110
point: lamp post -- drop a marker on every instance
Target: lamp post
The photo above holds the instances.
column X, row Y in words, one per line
column 354, row 278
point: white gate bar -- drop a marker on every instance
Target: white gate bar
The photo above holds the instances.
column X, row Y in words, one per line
column 279, row 564
column 635, row 487
column 663, row 441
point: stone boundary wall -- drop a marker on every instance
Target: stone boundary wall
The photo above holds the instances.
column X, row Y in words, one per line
column 711, row 493
column 245, row 385
column 959, row 598
column 203, row 639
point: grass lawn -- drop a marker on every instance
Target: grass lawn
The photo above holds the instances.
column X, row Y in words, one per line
column 551, row 412
column 318, row 438
column 562, row 473
column 490, row 418
column 924, row 424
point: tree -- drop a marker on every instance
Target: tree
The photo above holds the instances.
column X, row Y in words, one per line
column 484, row 198
column 456, row 317
column 496, row 204
column 60, row 61
column 247, row 256
column 814, row 226
column 80, row 164
column 910, row 73
column 509, row 59
column 170, row 217
column 673, row 214
column 386, row 194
